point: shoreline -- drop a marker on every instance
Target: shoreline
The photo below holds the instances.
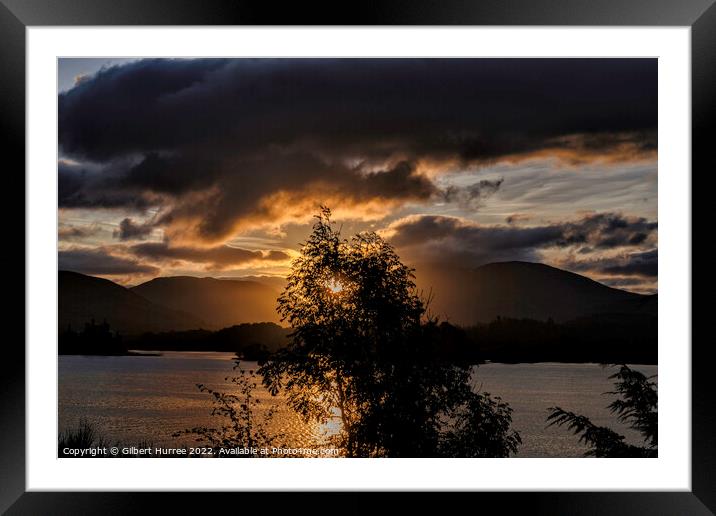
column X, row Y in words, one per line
column 161, row 353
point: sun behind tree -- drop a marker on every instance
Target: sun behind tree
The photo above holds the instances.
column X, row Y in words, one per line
column 363, row 348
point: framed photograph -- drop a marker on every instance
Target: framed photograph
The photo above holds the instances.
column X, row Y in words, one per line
column 436, row 247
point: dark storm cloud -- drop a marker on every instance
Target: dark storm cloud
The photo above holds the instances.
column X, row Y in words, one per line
column 172, row 175
column 301, row 180
column 644, row 264
column 459, row 241
column 218, row 257
column 130, row 230
column 479, row 108
column 607, row 230
column 70, row 182
column 472, row 196
column 400, row 181
column 641, row 264
column 99, row 261
column 210, row 141
column 113, row 113
column 96, row 187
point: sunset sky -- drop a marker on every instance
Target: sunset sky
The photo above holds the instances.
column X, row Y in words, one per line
column 214, row 167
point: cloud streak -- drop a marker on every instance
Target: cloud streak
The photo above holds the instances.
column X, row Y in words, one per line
column 99, row 261
column 69, row 232
column 212, row 258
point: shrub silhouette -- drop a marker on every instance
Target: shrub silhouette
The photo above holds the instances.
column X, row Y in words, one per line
column 83, row 436
column 636, row 406
column 242, row 428
column 362, row 350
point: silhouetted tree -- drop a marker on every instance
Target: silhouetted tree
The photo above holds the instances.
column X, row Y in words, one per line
column 602, row 338
column 95, row 339
column 362, row 351
column 635, row 406
column 250, row 341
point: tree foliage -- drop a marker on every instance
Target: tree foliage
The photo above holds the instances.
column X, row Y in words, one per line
column 242, row 426
column 362, row 350
column 635, row 405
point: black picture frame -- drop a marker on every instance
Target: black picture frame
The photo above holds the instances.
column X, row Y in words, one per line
column 17, row 15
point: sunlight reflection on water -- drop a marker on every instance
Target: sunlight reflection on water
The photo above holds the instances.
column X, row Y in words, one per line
column 135, row 399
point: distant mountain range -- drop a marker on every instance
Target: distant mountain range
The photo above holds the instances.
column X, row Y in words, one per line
column 520, row 290
column 84, row 298
column 164, row 304
column 275, row 282
column 465, row 297
column 219, row 302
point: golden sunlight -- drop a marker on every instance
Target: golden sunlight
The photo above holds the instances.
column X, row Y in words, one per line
column 334, row 285
column 330, row 427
